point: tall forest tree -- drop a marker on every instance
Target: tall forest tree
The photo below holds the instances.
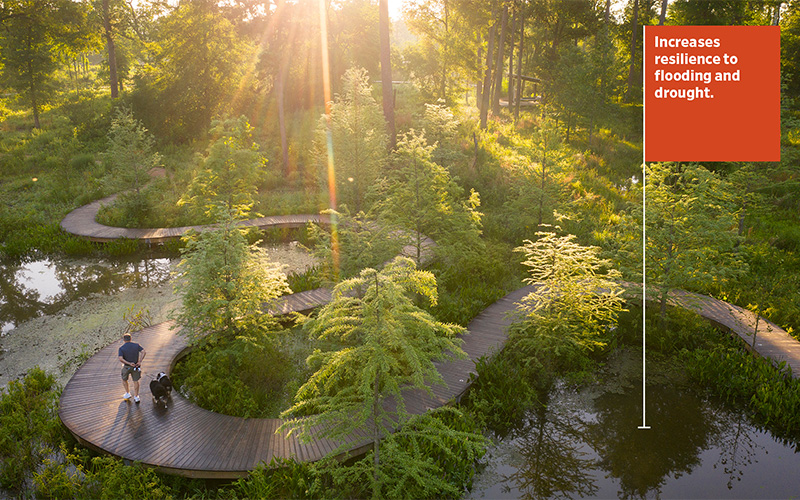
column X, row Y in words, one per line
column 197, row 69
column 33, row 34
column 387, row 91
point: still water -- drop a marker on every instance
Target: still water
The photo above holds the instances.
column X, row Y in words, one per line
column 36, row 288
column 585, row 444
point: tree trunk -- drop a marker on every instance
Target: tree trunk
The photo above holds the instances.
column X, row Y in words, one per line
column 111, row 49
column 479, row 83
column 445, row 52
column 631, row 70
column 386, row 72
column 544, row 174
column 776, row 14
column 663, row 16
column 487, row 78
column 376, row 435
column 608, row 11
column 34, row 103
column 36, row 123
column 280, row 91
column 498, row 70
column 511, row 62
column 519, row 64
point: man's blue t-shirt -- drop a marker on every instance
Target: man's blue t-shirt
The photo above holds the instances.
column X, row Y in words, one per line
column 130, row 351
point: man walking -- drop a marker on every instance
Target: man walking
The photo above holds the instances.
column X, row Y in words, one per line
column 131, row 355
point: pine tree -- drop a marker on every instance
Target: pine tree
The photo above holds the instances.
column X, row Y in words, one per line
column 224, row 284
column 226, row 180
column 387, row 345
column 576, row 299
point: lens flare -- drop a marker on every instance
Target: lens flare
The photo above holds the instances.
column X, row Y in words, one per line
column 326, row 89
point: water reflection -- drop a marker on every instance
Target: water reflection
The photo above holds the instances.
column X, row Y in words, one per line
column 41, row 287
column 587, row 444
column 554, row 461
column 643, row 460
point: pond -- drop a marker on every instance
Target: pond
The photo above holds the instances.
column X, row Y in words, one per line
column 43, row 287
column 586, row 444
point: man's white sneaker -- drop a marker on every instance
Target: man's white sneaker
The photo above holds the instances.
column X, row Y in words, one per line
column 136, row 399
column 127, row 395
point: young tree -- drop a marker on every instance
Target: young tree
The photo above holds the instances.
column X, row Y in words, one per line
column 359, row 140
column 361, row 243
column 226, row 180
column 131, row 155
column 422, row 198
column 691, row 229
column 388, row 345
column 576, row 297
column 224, row 284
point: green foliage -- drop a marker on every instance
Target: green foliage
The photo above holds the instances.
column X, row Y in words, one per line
column 29, row 426
column 503, row 390
column 33, row 35
column 769, row 392
column 240, row 377
column 136, row 319
column 433, row 455
column 102, row 478
column 691, row 240
column 575, row 301
column 287, row 478
column 471, row 278
column 224, row 283
column 350, row 244
column 226, row 179
column 307, row 280
column 131, row 156
column 422, row 199
column 351, row 148
column 199, row 60
column 388, row 346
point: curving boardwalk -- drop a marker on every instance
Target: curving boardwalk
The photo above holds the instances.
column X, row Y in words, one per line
column 190, row 441
column 187, row 440
column 81, row 222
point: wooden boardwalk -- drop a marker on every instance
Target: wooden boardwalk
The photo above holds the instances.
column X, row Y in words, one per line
column 190, row 441
column 81, row 222
column 771, row 341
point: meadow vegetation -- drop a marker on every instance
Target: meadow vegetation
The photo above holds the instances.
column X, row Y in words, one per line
column 243, row 123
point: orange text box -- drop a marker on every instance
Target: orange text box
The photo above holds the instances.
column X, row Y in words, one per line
column 712, row 93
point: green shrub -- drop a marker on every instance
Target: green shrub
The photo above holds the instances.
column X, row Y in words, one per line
column 285, row 478
column 257, row 388
column 82, row 162
column 110, row 478
column 769, row 392
column 123, row 246
column 307, row 280
column 57, row 480
column 501, row 392
column 29, row 426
